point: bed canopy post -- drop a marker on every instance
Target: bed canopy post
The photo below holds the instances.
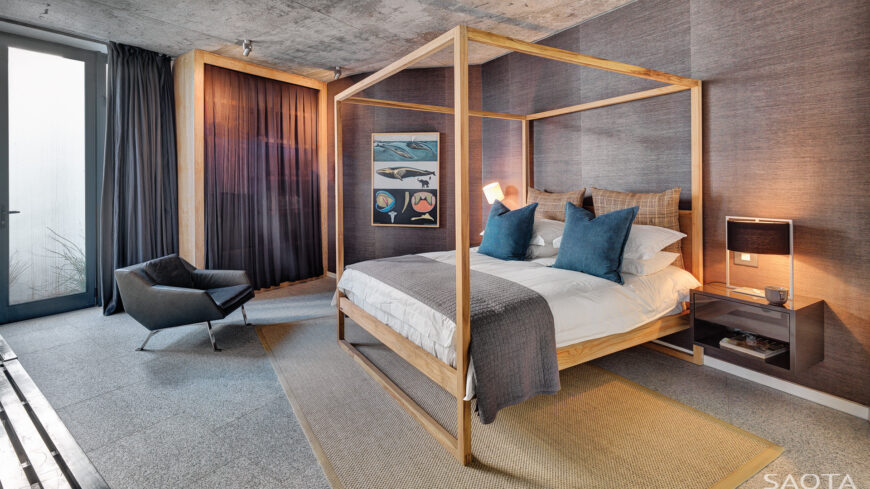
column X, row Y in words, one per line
column 463, row 274
column 697, row 185
column 339, row 215
column 528, row 176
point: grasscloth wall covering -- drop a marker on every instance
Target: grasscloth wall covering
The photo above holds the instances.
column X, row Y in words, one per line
column 785, row 135
column 362, row 241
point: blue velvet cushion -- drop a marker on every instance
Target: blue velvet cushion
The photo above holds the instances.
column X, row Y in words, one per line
column 595, row 246
column 508, row 232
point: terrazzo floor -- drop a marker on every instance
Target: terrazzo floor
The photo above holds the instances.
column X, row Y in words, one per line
column 178, row 414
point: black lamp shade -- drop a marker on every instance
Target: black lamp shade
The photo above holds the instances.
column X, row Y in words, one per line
column 764, row 238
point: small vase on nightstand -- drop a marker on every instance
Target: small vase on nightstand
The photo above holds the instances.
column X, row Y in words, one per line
column 776, row 296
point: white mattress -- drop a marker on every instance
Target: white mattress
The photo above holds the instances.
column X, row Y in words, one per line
column 584, row 307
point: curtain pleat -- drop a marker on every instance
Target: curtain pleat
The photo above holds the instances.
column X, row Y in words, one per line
column 262, row 199
column 139, row 200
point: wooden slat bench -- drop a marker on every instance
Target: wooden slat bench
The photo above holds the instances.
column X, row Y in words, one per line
column 36, row 449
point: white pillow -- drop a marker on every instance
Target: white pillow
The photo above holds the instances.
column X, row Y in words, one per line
column 536, row 239
column 658, row 262
column 645, row 241
column 544, row 232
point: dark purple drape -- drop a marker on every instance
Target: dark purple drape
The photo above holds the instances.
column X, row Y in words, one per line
column 262, row 201
column 139, row 200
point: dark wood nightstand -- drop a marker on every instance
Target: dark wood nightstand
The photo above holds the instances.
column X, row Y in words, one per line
column 717, row 312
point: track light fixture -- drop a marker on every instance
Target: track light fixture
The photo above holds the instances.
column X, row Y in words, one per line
column 336, row 73
column 247, row 46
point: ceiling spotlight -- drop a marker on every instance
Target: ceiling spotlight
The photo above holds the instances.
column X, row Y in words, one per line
column 247, row 45
column 336, row 73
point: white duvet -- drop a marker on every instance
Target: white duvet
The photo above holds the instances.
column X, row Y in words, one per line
column 584, row 307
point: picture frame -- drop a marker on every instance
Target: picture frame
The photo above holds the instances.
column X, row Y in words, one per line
column 406, row 179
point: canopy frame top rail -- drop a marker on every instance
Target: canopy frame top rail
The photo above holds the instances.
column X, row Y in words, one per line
column 675, row 83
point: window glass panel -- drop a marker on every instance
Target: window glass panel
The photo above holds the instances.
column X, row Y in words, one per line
column 46, row 176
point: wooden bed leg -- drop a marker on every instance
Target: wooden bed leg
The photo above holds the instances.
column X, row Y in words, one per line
column 340, row 325
column 463, row 431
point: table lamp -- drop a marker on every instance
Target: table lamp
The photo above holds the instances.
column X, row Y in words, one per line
column 493, row 192
column 758, row 236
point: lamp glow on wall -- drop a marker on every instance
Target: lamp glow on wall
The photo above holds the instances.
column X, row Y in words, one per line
column 493, row 192
column 753, row 235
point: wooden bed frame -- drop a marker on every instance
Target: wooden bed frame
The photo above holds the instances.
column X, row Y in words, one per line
column 452, row 379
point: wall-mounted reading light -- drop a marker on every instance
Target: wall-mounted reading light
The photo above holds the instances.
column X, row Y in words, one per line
column 247, row 46
column 336, row 73
column 493, row 192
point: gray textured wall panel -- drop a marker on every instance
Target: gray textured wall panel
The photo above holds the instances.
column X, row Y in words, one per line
column 785, row 135
column 430, row 86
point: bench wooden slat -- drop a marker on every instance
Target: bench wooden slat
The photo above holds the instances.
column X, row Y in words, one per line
column 11, row 473
column 47, row 470
column 80, row 467
column 6, row 352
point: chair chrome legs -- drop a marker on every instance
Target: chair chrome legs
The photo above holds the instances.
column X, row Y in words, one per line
column 245, row 317
column 150, row 334
column 211, row 337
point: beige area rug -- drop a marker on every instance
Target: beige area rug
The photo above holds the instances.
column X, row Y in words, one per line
column 600, row 431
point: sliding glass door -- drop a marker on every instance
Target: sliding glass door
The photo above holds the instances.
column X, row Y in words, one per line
column 48, row 160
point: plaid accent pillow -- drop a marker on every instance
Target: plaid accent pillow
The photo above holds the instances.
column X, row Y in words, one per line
column 661, row 210
column 552, row 205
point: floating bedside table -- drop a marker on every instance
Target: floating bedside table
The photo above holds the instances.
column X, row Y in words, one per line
column 718, row 311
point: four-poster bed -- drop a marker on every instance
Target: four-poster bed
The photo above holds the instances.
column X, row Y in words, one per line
column 453, row 379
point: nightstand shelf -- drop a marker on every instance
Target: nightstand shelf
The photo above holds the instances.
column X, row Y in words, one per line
column 717, row 312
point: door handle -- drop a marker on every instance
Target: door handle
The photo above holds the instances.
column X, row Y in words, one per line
column 3, row 215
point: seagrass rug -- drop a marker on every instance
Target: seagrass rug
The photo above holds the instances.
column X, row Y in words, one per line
column 599, row 431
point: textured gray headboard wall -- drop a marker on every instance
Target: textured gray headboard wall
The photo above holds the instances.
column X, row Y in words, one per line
column 785, row 135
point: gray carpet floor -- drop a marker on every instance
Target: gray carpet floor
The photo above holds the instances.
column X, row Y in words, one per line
column 179, row 414
column 184, row 416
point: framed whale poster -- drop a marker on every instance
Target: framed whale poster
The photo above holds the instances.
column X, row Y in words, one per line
column 405, row 179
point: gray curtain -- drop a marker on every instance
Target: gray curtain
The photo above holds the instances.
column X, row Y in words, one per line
column 262, row 198
column 139, row 202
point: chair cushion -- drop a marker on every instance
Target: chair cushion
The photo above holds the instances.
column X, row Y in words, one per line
column 229, row 298
column 169, row 270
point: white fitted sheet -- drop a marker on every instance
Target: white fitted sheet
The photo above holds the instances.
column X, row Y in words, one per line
column 584, row 307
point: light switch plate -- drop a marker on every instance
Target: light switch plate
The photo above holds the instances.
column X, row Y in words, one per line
column 745, row 259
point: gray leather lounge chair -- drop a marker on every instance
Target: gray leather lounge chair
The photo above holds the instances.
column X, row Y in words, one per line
column 168, row 292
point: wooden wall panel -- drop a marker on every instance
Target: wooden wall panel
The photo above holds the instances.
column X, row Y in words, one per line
column 332, row 89
column 188, row 78
column 785, row 135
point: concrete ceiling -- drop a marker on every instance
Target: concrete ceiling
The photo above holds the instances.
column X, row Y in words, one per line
column 307, row 37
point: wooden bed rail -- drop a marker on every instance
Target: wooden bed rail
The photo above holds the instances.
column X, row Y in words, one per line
column 400, row 64
column 429, row 108
column 557, row 54
column 655, row 92
column 453, row 379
